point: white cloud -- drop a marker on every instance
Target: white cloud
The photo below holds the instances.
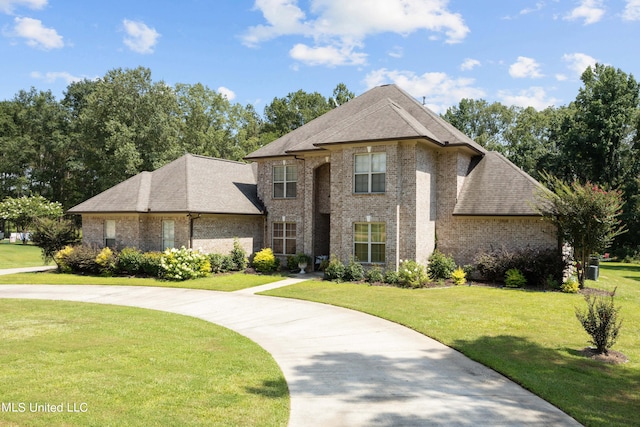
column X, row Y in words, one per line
column 535, row 97
column 36, row 34
column 396, row 52
column 632, row 11
column 525, row 67
column 591, row 11
column 226, row 92
column 469, row 64
column 578, row 62
column 340, row 25
column 327, row 55
column 440, row 90
column 8, row 6
column 52, row 76
column 140, row 38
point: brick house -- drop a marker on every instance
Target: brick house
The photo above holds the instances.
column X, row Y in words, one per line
column 195, row 201
column 381, row 178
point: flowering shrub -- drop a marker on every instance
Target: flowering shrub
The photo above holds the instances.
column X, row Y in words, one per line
column 571, row 286
column 459, row 276
column 106, row 261
column 265, row 261
column 183, row 264
column 61, row 258
column 411, row 274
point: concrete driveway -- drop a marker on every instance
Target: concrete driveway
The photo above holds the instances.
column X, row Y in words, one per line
column 343, row 368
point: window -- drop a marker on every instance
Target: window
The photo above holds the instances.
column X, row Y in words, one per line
column 285, row 179
column 370, row 172
column 110, row 233
column 168, row 234
column 369, row 242
column 284, row 238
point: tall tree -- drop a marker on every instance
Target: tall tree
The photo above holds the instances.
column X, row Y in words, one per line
column 341, row 95
column 128, row 124
column 292, row 111
column 600, row 138
column 483, row 122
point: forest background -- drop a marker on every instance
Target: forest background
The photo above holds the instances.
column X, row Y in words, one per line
column 106, row 130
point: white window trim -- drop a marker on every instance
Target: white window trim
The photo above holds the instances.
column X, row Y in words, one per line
column 165, row 240
column 284, row 237
column 369, row 243
column 107, row 235
column 369, row 173
column 284, row 181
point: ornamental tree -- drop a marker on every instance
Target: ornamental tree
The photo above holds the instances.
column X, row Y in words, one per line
column 23, row 211
column 586, row 216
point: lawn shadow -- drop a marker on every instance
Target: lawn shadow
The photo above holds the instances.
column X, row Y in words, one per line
column 595, row 392
column 273, row 389
column 435, row 387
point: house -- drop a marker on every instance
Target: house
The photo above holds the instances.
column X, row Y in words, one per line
column 381, row 178
column 194, row 201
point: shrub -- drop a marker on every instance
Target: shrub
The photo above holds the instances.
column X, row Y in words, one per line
column 513, row 278
column 61, row 258
column 150, row 264
column 292, row 263
column 220, row 263
column 571, row 286
column 535, row 264
column 374, row 275
column 600, row 321
column 411, row 274
column 130, row 261
column 354, row 271
column 53, row 235
column 82, row 260
column 440, row 266
column 265, row 261
column 335, row 270
column 238, row 255
column 183, row 264
column 459, row 276
column 391, row 277
column 106, row 261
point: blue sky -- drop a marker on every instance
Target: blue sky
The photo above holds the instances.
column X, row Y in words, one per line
column 518, row 52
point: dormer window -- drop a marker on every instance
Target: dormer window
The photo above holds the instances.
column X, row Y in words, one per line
column 285, row 179
column 370, row 172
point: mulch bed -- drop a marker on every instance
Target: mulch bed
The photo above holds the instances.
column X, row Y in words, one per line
column 613, row 357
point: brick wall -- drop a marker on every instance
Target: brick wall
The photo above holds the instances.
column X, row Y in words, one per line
column 216, row 233
column 128, row 230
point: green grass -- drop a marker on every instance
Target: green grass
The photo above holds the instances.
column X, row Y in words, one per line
column 128, row 366
column 220, row 282
column 14, row 255
column 533, row 338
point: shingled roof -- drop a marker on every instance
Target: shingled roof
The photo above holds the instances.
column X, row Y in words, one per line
column 496, row 187
column 382, row 113
column 191, row 183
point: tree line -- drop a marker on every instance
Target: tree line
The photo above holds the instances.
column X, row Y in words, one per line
column 106, row 130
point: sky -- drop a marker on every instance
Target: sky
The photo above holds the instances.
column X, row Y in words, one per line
column 516, row 52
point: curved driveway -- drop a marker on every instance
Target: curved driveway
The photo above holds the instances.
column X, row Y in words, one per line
column 343, row 368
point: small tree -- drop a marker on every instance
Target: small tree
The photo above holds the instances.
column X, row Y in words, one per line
column 586, row 216
column 52, row 235
column 23, row 211
column 600, row 321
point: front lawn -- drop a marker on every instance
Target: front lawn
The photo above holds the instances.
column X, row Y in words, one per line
column 532, row 337
column 111, row 365
column 220, row 282
column 14, row 255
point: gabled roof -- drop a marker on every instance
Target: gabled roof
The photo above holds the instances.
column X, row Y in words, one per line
column 191, row 183
column 383, row 113
column 496, row 187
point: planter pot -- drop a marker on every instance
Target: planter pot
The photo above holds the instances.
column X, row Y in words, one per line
column 302, row 266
